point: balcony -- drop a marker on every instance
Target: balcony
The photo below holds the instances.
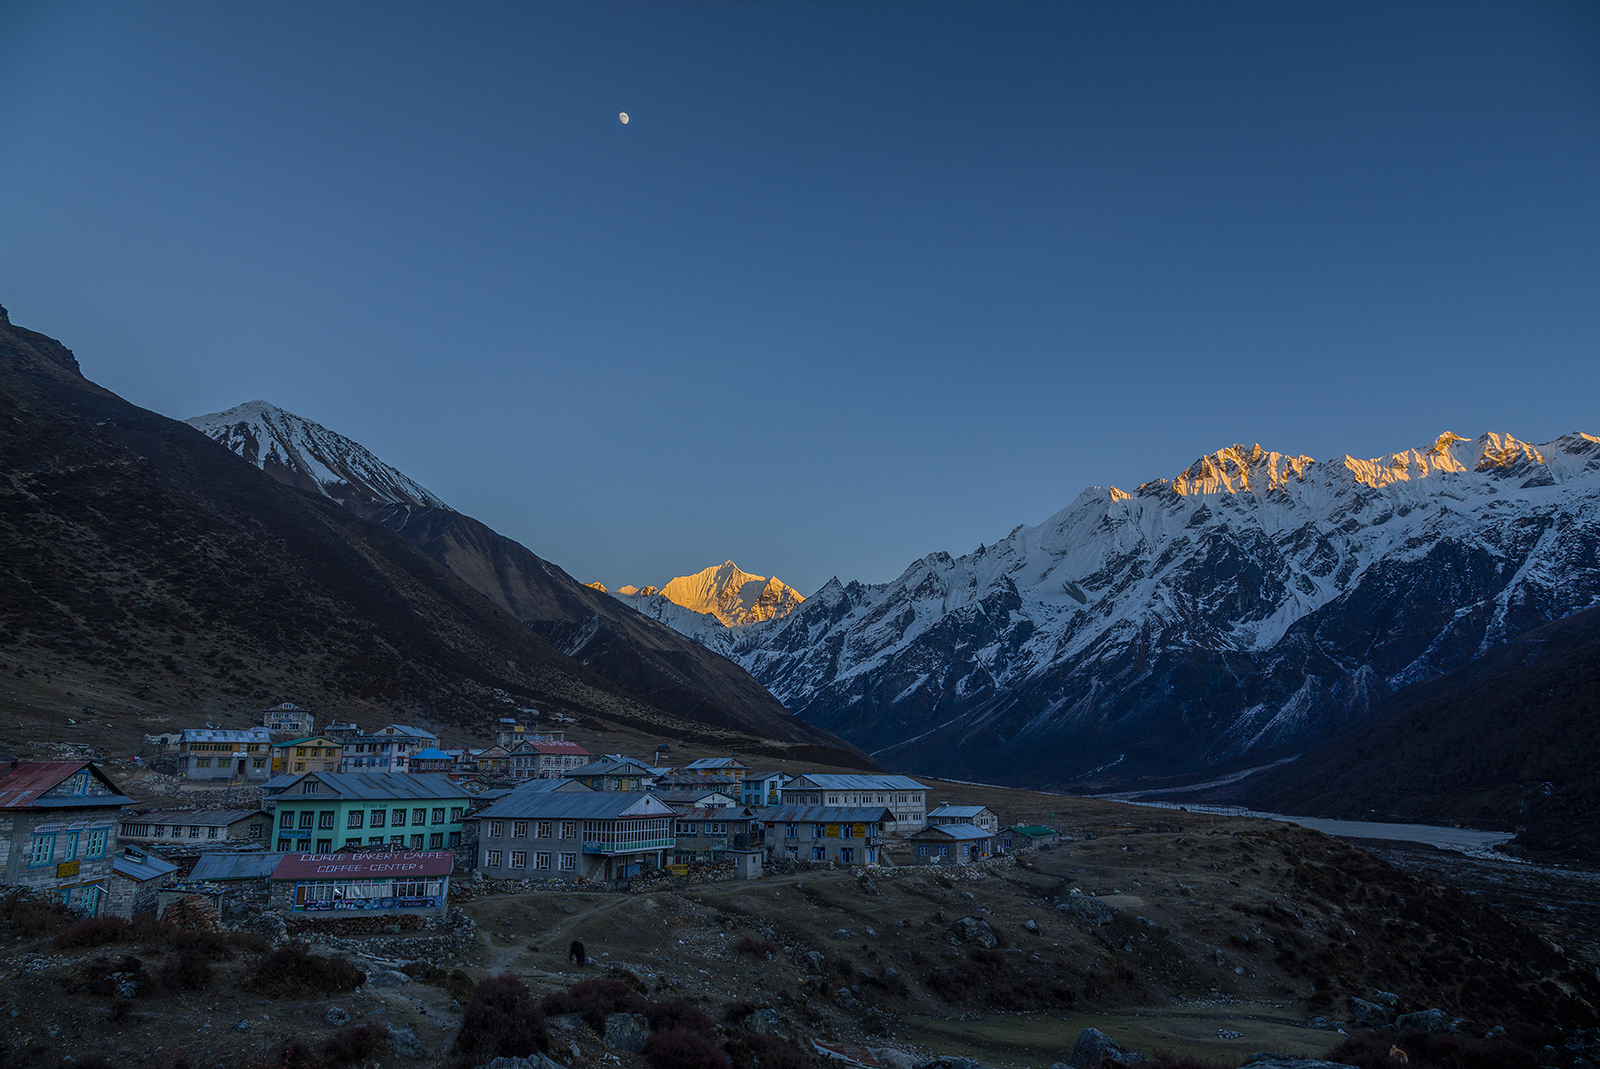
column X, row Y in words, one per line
column 611, row 849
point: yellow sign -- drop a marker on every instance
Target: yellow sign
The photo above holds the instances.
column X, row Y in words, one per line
column 861, row 831
column 65, row 869
column 833, row 831
column 678, row 870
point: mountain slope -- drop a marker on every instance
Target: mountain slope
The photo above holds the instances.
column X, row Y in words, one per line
column 1511, row 740
column 1244, row 609
column 640, row 655
column 644, row 659
column 712, row 605
column 164, row 580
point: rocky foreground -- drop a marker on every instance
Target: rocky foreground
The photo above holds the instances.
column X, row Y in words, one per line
column 1212, row 938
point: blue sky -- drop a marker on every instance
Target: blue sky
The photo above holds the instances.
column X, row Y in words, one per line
column 857, row 283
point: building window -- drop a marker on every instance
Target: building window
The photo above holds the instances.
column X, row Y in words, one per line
column 379, row 816
column 374, row 840
column 453, row 839
column 356, row 818
column 519, row 859
column 541, row 860
column 544, row 829
column 399, row 818
column 419, row 816
column 923, row 850
column 819, row 853
column 497, row 829
column 310, row 786
column 69, row 848
column 819, row 831
column 258, row 764
column 194, row 831
column 160, row 830
column 44, row 845
column 397, row 840
column 519, row 829
column 493, row 859
column 438, row 815
column 455, row 814
column 791, row 831
column 255, row 831
column 202, row 762
column 211, row 832
column 325, row 819
column 847, row 855
column 324, row 846
column 569, row 862
column 436, row 841
column 416, row 842
column 283, row 844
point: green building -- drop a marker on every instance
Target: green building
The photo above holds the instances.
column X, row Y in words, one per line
column 320, row 812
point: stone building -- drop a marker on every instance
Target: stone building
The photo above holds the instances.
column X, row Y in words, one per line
column 58, row 830
column 907, row 798
column 847, row 835
column 216, row 754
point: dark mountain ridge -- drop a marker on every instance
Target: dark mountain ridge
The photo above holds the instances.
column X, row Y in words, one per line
column 146, row 568
column 1510, row 741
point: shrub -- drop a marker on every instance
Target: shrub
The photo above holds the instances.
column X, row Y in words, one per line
column 92, row 932
column 679, row 1013
column 1425, row 1051
column 594, row 1000
column 679, row 1048
column 103, row 977
column 758, row 948
column 748, row 1049
column 24, row 915
column 186, row 970
column 293, row 970
column 353, row 1043
column 986, row 976
column 501, row 1020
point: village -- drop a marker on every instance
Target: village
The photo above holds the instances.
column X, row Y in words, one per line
column 344, row 822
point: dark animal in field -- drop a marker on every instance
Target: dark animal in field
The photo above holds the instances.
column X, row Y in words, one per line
column 575, row 953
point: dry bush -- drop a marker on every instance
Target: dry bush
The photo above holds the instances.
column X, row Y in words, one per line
column 102, row 977
column 92, row 932
column 501, row 1020
column 187, row 970
column 1425, row 1051
column 293, row 970
column 23, row 915
column 986, row 976
column 759, row 948
column 679, row 1048
column 594, row 1000
column 353, row 1043
column 748, row 1049
column 679, row 1013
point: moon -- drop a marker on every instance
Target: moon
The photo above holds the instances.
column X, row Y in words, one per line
column 623, row 117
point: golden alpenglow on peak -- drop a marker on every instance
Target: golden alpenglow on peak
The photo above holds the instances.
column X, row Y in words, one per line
column 732, row 595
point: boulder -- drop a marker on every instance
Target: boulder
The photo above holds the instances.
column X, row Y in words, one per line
column 1435, row 1022
column 387, row 978
column 892, row 1058
column 762, row 1019
column 1031, row 926
column 336, row 1016
column 1094, row 1046
column 404, row 1042
column 842, row 933
column 627, row 1032
column 971, row 930
column 1085, row 908
column 1370, row 1014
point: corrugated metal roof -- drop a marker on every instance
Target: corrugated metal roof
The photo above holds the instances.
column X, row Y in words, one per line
column 376, row 787
column 955, row 811
column 545, row 786
column 824, row 814
column 717, row 812
column 592, row 805
column 242, row 866
column 611, row 766
column 951, row 831
column 431, row 754
column 715, row 762
column 138, row 865
column 203, row 817
column 570, row 748
column 226, row 735
column 22, row 784
column 849, row 781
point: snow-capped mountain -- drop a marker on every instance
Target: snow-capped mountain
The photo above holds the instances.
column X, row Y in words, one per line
column 308, row 456
column 706, row 605
column 1253, row 603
